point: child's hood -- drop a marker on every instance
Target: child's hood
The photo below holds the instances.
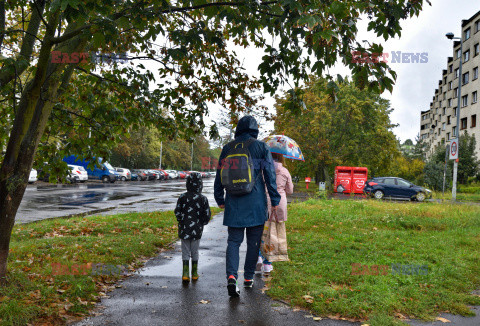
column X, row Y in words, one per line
column 194, row 182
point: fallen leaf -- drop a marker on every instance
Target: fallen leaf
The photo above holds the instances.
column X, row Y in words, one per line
column 443, row 320
column 317, row 318
column 308, row 298
column 204, row 301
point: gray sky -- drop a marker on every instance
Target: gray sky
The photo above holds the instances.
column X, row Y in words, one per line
column 416, row 82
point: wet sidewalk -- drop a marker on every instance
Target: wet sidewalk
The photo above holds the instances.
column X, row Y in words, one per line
column 156, row 296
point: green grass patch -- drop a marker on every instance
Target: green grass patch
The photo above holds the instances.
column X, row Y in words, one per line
column 326, row 237
column 461, row 196
column 34, row 294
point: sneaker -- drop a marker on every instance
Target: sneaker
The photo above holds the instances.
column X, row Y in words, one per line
column 232, row 287
column 248, row 283
column 267, row 268
column 258, row 269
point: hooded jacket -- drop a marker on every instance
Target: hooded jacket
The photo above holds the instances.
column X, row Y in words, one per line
column 251, row 209
column 193, row 210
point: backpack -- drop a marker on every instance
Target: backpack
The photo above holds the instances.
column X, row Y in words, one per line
column 237, row 171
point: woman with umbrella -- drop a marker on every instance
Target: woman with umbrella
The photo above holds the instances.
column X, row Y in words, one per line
column 281, row 147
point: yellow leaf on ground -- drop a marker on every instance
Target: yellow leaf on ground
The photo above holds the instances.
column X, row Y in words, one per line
column 308, row 298
column 443, row 320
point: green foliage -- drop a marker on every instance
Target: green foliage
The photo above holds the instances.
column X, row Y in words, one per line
column 351, row 129
column 467, row 165
column 142, row 150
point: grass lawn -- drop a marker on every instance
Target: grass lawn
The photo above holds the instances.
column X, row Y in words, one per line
column 47, row 260
column 461, row 196
column 326, row 237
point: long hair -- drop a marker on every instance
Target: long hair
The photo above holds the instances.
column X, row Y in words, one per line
column 278, row 158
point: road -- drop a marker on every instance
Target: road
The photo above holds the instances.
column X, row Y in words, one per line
column 48, row 201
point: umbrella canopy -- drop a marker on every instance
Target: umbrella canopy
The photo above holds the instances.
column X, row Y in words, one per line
column 284, row 145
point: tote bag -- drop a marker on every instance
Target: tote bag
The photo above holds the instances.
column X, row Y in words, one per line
column 274, row 241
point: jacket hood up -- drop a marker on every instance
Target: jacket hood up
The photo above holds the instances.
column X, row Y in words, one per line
column 194, row 182
column 247, row 125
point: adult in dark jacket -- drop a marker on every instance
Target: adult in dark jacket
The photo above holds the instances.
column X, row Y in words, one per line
column 192, row 212
column 247, row 212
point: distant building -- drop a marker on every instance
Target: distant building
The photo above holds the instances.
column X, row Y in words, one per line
column 438, row 124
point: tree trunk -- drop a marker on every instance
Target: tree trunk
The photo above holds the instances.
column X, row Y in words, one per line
column 28, row 128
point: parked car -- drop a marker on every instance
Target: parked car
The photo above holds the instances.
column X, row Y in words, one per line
column 163, row 174
column 32, row 178
column 135, row 177
column 182, row 175
column 104, row 172
column 157, row 175
column 173, row 174
column 77, row 173
column 124, row 174
column 396, row 188
column 212, row 174
column 142, row 176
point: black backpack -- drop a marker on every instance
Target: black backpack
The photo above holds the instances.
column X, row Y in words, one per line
column 237, row 169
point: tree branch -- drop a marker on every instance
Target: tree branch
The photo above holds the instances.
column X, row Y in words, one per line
column 2, row 21
column 212, row 4
column 66, row 36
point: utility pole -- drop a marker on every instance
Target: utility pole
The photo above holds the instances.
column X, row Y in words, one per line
column 191, row 162
column 447, row 150
column 451, row 36
column 161, row 151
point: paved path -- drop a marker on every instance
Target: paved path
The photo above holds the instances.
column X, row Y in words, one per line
column 156, row 295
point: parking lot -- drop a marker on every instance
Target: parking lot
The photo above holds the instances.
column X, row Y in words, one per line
column 43, row 201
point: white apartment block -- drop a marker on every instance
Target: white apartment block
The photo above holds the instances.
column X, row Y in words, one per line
column 438, row 125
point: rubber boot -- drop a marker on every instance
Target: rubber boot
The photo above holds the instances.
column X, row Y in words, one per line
column 186, row 271
column 194, row 270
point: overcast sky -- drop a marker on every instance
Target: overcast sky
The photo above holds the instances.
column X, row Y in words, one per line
column 416, row 82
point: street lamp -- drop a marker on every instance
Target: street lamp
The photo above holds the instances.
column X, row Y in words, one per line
column 451, row 36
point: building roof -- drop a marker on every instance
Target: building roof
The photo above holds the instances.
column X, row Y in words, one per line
column 466, row 22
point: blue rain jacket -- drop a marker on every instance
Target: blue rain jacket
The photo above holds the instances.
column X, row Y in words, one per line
column 251, row 209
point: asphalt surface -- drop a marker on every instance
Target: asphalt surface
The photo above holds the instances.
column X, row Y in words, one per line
column 47, row 201
column 156, row 295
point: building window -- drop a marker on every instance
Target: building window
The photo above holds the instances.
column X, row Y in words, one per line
column 448, row 119
column 465, row 78
column 455, row 92
column 467, row 34
column 443, row 126
column 477, row 26
column 459, row 53
column 450, row 86
column 450, row 69
column 473, row 121
column 475, row 73
column 463, row 123
column 464, row 101
column 448, row 136
column 444, row 96
column 454, row 131
column 456, row 73
column 476, row 49
column 454, row 112
column 466, row 56
column 445, row 80
column 474, row 97
column 444, row 111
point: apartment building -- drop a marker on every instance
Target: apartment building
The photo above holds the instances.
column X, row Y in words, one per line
column 438, row 124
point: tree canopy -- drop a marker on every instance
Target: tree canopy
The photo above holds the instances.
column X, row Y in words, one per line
column 351, row 129
column 83, row 108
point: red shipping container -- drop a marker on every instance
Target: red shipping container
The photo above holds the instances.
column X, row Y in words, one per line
column 351, row 179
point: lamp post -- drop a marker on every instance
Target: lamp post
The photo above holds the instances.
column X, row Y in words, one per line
column 451, row 36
